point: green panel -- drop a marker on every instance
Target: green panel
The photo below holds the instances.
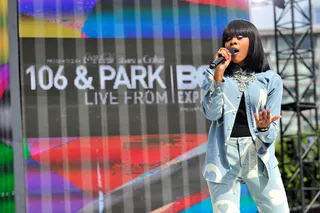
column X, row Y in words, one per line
column 7, row 205
column 6, row 155
column 26, row 150
column 6, row 179
column 6, row 183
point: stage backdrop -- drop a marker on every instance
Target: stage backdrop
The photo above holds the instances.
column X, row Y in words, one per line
column 111, row 103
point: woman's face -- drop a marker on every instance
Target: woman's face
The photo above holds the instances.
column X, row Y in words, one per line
column 241, row 45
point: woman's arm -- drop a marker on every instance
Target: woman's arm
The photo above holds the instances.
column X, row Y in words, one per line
column 274, row 100
column 212, row 100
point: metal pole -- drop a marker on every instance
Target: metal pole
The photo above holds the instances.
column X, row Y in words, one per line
column 17, row 140
column 298, row 112
column 278, row 71
column 315, row 87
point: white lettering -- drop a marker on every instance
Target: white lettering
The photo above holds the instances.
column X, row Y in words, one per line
column 138, row 97
column 200, row 74
column 86, row 99
column 163, row 98
column 103, row 97
column 155, row 77
column 126, row 97
column 138, row 77
column 148, row 97
column 102, row 74
column 113, row 99
column 188, row 97
column 97, row 98
column 186, row 77
column 180, row 97
column 122, row 79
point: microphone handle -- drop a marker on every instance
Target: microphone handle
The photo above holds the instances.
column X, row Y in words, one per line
column 216, row 62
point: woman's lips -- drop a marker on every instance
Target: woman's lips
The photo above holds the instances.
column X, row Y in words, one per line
column 236, row 52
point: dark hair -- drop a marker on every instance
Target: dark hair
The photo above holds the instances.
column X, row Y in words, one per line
column 256, row 58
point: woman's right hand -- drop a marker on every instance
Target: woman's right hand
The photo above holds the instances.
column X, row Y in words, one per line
column 219, row 71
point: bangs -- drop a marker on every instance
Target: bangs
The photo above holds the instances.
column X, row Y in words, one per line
column 235, row 28
column 256, row 59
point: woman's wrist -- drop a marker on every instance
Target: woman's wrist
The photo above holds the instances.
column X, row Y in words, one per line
column 218, row 78
column 263, row 129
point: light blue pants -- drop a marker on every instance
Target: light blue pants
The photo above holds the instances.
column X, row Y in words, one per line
column 246, row 167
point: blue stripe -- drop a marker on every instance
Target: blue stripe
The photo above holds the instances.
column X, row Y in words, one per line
column 210, row 25
column 247, row 204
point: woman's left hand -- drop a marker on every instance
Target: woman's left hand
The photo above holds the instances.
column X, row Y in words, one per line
column 264, row 119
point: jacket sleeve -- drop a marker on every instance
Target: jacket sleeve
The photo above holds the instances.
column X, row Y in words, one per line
column 212, row 99
column 274, row 100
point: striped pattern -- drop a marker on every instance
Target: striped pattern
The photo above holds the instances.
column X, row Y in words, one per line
column 121, row 158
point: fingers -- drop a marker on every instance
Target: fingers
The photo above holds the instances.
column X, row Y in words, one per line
column 268, row 114
column 263, row 115
column 224, row 53
column 256, row 117
column 260, row 116
column 264, row 118
column 261, row 120
column 274, row 118
column 219, row 71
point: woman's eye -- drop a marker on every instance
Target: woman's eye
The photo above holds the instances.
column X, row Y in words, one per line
column 239, row 36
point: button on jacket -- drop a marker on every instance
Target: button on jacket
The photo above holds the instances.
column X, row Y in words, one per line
column 220, row 104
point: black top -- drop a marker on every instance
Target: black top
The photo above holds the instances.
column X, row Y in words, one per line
column 241, row 127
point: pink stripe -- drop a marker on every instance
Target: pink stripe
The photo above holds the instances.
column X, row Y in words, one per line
column 236, row 4
column 4, row 78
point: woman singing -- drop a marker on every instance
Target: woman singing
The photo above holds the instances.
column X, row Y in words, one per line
column 242, row 98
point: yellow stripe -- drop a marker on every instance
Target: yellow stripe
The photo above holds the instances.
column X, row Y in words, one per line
column 32, row 27
column 4, row 46
column 3, row 8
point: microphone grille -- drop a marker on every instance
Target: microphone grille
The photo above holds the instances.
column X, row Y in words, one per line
column 231, row 50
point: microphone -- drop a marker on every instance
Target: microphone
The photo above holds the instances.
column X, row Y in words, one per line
column 220, row 59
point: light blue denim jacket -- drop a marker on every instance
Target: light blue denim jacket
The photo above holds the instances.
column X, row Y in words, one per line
column 220, row 104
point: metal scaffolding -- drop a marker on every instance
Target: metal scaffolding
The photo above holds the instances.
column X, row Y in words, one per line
column 299, row 135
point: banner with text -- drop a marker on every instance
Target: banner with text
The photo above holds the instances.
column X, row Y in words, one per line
column 111, row 103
